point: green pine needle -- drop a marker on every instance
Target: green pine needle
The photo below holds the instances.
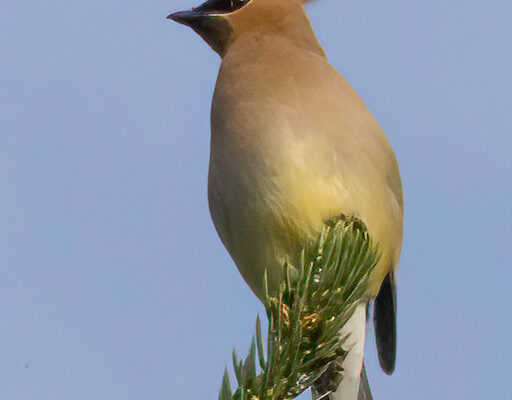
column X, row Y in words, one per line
column 306, row 316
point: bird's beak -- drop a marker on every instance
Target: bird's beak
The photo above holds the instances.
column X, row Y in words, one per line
column 189, row 18
column 209, row 21
column 197, row 14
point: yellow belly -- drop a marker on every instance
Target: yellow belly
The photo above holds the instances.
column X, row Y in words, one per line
column 266, row 217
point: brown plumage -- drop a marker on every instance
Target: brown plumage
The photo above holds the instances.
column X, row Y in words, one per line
column 292, row 146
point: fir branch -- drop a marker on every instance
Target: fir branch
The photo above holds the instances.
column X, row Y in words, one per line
column 306, row 316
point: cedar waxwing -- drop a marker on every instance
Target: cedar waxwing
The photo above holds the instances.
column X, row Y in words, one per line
column 293, row 145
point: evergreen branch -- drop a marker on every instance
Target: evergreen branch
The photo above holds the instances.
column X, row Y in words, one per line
column 306, row 316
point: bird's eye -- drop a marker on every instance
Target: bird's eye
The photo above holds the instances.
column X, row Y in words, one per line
column 236, row 4
column 221, row 6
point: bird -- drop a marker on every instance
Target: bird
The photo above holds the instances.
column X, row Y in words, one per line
column 293, row 145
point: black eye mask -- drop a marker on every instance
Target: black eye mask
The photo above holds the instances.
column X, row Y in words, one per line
column 221, row 6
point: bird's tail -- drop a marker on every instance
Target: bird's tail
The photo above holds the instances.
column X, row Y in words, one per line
column 354, row 383
column 364, row 387
column 364, row 390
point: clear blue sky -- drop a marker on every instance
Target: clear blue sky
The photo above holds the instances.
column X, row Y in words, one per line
column 113, row 283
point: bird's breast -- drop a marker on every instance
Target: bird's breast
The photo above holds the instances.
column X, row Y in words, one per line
column 287, row 154
column 267, row 199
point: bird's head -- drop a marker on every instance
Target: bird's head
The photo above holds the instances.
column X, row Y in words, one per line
column 219, row 22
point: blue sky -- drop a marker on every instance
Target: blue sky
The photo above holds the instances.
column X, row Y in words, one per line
column 113, row 283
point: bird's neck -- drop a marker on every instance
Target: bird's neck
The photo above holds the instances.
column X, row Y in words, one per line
column 292, row 26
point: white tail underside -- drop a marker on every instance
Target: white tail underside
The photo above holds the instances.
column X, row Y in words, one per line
column 355, row 328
